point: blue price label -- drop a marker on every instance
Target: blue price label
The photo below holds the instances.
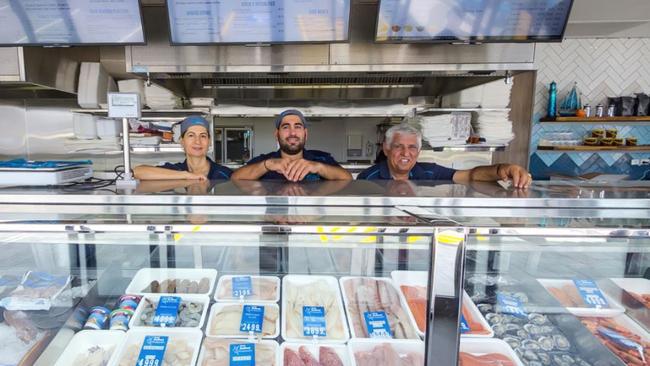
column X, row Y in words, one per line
column 242, row 354
column 252, row 318
column 313, row 321
column 510, row 305
column 464, row 328
column 242, row 286
column 622, row 341
column 152, row 351
column 167, row 311
column 591, row 294
column 377, row 324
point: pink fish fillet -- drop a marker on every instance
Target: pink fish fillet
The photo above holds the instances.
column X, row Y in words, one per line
column 306, row 357
column 291, row 358
column 328, row 357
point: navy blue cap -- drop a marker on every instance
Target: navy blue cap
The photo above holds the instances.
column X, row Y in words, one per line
column 289, row 112
column 194, row 121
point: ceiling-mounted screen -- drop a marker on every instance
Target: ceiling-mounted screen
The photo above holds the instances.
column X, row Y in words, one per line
column 70, row 22
column 258, row 21
column 472, row 20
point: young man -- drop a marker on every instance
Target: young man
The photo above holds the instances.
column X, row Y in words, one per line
column 402, row 148
column 292, row 162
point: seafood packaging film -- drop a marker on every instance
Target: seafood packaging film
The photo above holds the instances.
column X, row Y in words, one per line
column 265, row 288
column 216, row 352
column 182, row 347
column 312, row 354
column 365, row 352
column 415, row 283
column 186, row 280
column 489, row 346
column 566, row 293
column 299, row 291
column 225, row 319
column 362, row 294
column 192, row 312
column 91, row 348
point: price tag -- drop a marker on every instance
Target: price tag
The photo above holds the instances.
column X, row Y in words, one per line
column 242, row 286
column 152, row 351
column 510, row 305
column 377, row 324
column 464, row 328
column 242, row 354
column 167, row 311
column 252, row 318
column 591, row 294
column 621, row 341
column 313, row 321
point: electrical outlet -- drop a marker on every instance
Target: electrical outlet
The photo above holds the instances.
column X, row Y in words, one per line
column 640, row 162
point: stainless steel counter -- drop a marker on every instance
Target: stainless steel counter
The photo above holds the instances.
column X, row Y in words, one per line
column 547, row 195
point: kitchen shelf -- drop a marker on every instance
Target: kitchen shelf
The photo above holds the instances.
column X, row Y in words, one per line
column 468, row 148
column 158, row 114
column 582, row 148
column 631, row 120
column 171, row 148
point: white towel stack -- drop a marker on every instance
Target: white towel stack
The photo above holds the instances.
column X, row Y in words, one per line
column 445, row 129
column 495, row 94
column 494, row 127
column 158, row 97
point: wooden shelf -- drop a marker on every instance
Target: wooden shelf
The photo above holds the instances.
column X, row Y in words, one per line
column 581, row 148
column 595, row 119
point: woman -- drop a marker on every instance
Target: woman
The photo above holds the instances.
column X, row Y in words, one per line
column 195, row 139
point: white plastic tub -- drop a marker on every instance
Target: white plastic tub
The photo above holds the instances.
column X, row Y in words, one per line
column 145, row 276
column 135, row 338
column 482, row 346
column 401, row 346
column 314, row 349
column 265, row 342
column 614, row 308
column 299, row 280
column 137, row 323
column 217, row 307
column 108, row 340
column 222, row 295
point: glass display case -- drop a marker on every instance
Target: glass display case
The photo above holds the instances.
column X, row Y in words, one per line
column 99, row 278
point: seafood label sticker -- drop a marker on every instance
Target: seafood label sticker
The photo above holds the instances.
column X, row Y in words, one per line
column 167, row 311
column 251, row 319
column 464, row 328
column 591, row 294
column 242, row 286
column 313, row 321
column 242, row 354
column 377, row 324
column 152, row 351
column 510, row 305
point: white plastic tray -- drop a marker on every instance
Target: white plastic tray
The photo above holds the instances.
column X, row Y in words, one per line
column 613, row 310
column 203, row 299
column 231, row 341
column 143, row 277
column 346, row 302
column 216, row 307
column 218, row 296
column 314, row 349
column 639, row 286
column 136, row 337
column 420, row 278
column 400, row 345
column 300, row 280
column 481, row 346
column 82, row 341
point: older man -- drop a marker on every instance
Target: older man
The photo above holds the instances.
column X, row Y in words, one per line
column 402, row 148
column 292, row 162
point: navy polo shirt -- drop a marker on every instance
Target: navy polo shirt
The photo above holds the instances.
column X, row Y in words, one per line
column 216, row 171
column 311, row 155
column 420, row 171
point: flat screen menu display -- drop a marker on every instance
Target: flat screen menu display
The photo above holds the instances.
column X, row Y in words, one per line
column 472, row 20
column 258, row 21
column 70, row 22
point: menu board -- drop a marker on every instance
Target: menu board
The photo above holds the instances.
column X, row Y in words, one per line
column 69, row 22
column 258, row 21
column 472, row 20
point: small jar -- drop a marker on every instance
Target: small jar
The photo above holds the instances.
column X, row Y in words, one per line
column 607, row 141
column 611, row 132
column 630, row 141
column 590, row 141
column 598, row 133
column 619, row 141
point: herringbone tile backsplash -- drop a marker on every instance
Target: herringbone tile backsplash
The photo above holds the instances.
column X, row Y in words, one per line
column 602, row 68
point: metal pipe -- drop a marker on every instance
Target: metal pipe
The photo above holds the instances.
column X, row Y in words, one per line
column 126, row 148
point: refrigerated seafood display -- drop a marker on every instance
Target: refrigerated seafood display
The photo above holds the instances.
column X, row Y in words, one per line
column 623, row 337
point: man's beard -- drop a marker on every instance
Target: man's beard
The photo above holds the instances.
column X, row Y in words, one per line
column 291, row 149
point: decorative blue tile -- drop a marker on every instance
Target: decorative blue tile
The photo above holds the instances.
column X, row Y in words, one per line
column 549, row 157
